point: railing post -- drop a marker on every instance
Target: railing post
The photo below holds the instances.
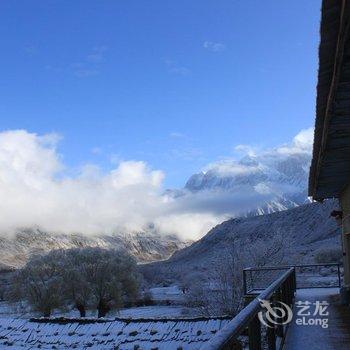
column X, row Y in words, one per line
column 251, row 280
column 294, row 282
column 254, row 333
column 244, row 281
column 271, row 338
column 286, row 288
column 284, row 293
column 290, row 290
column 339, row 278
column 235, row 345
column 279, row 329
column 254, row 327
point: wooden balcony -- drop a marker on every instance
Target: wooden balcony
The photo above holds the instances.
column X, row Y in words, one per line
column 288, row 287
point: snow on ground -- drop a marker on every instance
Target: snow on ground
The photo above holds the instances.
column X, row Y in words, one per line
column 153, row 312
column 168, row 300
column 318, row 281
column 170, row 294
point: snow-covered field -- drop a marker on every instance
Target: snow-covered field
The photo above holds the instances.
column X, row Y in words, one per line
column 156, row 312
column 170, row 294
column 168, row 304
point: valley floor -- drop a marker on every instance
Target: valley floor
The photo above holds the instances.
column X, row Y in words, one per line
column 169, row 303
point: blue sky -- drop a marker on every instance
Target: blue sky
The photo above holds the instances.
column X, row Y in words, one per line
column 174, row 83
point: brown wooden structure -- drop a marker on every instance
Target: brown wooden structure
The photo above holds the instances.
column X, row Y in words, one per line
column 330, row 168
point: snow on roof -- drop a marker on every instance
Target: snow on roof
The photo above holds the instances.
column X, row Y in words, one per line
column 121, row 334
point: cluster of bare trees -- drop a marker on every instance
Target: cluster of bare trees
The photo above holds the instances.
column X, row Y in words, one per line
column 220, row 291
column 86, row 278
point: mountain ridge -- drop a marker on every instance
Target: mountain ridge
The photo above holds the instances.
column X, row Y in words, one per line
column 145, row 247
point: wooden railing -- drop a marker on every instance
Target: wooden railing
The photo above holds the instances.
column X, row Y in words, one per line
column 247, row 321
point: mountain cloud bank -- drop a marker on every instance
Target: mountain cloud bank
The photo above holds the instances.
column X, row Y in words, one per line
column 36, row 190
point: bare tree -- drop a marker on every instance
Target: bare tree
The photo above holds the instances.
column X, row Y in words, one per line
column 111, row 276
column 197, row 294
column 228, row 277
column 76, row 288
column 39, row 283
column 222, row 292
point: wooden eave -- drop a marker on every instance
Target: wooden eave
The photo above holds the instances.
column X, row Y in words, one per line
column 330, row 167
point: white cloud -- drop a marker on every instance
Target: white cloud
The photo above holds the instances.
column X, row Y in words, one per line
column 230, row 167
column 135, row 173
column 302, row 143
column 36, row 190
column 304, row 139
column 214, row 46
column 246, row 149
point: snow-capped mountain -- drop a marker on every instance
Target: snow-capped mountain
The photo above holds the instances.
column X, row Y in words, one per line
column 276, row 181
column 145, row 246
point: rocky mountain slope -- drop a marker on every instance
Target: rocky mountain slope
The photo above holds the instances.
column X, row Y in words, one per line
column 146, row 247
column 292, row 171
column 303, row 230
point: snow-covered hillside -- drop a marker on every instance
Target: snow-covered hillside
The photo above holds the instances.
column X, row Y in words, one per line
column 303, row 229
column 146, row 247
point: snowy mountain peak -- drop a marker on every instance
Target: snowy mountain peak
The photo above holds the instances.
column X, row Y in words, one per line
column 278, row 181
